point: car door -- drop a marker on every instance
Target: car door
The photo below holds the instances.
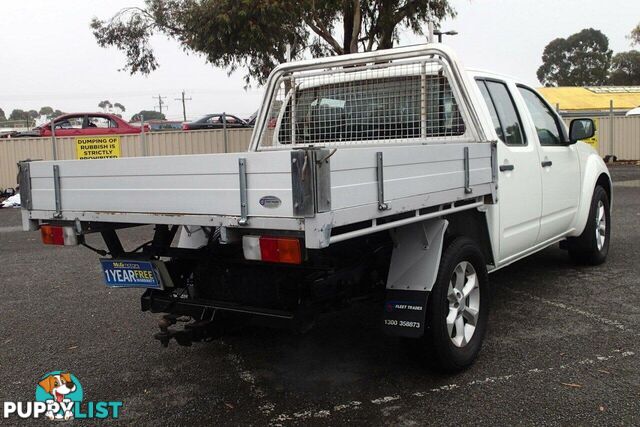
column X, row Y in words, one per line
column 235, row 122
column 519, row 181
column 213, row 122
column 559, row 165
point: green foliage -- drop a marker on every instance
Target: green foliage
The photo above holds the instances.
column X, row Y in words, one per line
column 105, row 105
column 148, row 115
column 2, row 116
column 108, row 107
column 625, row 69
column 255, row 33
column 46, row 111
column 635, row 35
column 18, row 114
column 56, row 113
column 582, row 59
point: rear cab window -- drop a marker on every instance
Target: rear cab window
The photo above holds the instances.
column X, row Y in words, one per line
column 372, row 109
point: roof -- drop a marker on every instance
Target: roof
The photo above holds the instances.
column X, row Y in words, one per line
column 593, row 98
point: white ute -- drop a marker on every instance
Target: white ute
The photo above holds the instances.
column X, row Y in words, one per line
column 393, row 174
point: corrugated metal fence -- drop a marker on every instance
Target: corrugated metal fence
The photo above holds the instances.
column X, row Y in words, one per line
column 619, row 136
column 12, row 150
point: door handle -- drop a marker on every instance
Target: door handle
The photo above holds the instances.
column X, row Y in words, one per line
column 546, row 163
column 505, row 168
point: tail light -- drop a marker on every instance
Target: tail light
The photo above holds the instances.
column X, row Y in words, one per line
column 272, row 249
column 52, row 235
column 185, row 127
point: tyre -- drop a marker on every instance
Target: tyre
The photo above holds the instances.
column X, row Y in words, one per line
column 458, row 307
column 592, row 246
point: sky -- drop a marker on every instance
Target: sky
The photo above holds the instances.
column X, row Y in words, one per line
column 48, row 55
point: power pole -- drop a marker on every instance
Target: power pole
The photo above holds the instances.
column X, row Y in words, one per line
column 184, row 108
column 160, row 102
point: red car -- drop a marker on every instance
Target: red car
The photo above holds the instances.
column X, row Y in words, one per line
column 78, row 124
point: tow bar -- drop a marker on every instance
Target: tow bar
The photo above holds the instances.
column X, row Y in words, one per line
column 202, row 330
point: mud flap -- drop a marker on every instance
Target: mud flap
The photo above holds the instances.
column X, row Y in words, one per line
column 404, row 313
column 414, row 267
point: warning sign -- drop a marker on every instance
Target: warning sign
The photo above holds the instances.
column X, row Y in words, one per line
column 98, row 147
column 593, row 141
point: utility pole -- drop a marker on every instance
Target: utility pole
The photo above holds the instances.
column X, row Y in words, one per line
column 160, row 102
column 184, row 108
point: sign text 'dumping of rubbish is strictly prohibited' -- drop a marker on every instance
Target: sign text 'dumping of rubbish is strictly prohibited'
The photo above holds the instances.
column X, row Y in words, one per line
column 98, row 147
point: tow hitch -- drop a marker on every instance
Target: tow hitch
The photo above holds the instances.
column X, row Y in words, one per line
column 202, row 330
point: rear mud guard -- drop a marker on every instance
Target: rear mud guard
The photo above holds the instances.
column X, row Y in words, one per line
column 413, row 271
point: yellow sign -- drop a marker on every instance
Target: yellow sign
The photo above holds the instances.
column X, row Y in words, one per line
column 593, row 141
column 98, row 147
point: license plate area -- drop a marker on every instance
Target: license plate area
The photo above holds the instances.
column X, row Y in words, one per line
column 132, row 273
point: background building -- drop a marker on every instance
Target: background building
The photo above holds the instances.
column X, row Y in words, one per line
column 592, row 101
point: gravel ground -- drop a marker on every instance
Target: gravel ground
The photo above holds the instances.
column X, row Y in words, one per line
column 562, row 347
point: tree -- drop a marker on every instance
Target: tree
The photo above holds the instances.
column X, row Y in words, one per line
column 119, row 107
column 56, row 113
column 2, row 116
column 147, row 115
column 635, row 35
column 105, row 105
column 18, row 114
column 46, row 111
column 582, row 59
column 255, row 34
column 625, row 69
column 33, row 114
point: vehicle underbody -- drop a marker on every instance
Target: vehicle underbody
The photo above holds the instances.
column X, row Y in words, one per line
column 215, row 286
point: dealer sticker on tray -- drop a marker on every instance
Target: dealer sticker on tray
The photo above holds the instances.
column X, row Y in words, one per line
column 130, row 274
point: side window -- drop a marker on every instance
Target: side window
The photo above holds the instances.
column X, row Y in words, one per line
column 492, row 109
column 543, row 118
column 100, row 122
column 512, row 133
column 74, row 122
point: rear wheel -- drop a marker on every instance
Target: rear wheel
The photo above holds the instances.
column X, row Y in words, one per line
column 592, row 246
column 458, row 307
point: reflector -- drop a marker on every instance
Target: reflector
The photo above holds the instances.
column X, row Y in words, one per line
column 280, row 249
column 52, row 235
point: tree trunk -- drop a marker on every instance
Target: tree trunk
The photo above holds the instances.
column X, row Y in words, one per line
column 351, row 25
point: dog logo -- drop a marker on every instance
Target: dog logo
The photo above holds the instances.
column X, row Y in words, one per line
column 60, row 391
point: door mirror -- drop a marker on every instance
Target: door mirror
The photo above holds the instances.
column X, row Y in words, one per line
column 581, row 129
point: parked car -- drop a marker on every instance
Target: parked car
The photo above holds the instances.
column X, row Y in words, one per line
column 79, row 124
column 215, row 121
column 9, row 134
column 164, row 125
column 271, row 123
column 634, row 112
